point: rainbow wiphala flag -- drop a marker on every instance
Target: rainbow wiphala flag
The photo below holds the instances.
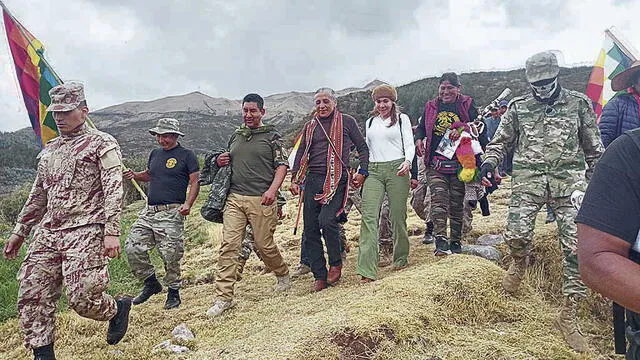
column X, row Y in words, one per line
column 612, row 60
column 34, row 76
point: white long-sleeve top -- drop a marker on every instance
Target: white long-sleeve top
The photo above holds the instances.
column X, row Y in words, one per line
column 385, row 143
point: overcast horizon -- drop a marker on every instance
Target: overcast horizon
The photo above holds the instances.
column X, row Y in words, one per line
column 139, row 51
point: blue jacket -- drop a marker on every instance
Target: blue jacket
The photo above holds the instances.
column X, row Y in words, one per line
column 619, row 115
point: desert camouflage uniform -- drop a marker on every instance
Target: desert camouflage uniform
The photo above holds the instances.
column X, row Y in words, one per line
column 76, row 200
column 556, row 149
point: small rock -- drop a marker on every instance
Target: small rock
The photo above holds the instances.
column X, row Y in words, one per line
column 163, row 345
column 487, row 252
column 116, row 352
column 182, row 332
column 490, row 239
column 178, row 349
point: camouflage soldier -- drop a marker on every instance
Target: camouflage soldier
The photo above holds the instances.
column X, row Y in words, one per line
column 75, row 206
column 554, row 134
column 258, row 167
column 160, row 224
column 421, row 200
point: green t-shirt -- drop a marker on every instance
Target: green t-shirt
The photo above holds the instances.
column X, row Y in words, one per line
column 255, row 155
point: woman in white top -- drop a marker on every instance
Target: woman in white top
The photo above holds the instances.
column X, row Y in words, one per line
column 390, row 141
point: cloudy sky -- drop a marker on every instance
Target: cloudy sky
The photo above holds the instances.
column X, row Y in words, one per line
column 146, row 49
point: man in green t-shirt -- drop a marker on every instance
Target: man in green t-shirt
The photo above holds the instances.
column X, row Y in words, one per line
column 258, row 169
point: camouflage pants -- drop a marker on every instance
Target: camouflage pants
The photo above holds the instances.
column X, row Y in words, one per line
column 163, row 230
column 421, row 196
column 523, row 209
column 447, row 198
column 73, row 258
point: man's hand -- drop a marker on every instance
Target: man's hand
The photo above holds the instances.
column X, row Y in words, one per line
column 419, row 148
column 404, row 168
column 358, row 180
column 294, row 189
column 223, row 159
column 112, row 246
column 128, row 174
column 414, row 183
column 486, row 174
column 12, row 246
column 268, row 197
column 454, row 135
column 184, row 209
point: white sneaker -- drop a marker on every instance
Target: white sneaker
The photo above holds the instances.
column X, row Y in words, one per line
column 219, row 306
column 283, row 283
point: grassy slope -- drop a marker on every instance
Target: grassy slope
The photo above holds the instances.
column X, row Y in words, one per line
column 452, row 308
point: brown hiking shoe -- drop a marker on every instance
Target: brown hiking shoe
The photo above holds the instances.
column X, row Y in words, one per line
column 567, row 323
column 512, row 279
column 300, row 270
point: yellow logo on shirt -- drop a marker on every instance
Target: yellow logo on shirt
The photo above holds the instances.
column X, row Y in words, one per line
column 171, row 163
column 444, row 121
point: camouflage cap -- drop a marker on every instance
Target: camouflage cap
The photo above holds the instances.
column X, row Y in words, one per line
column 66, row 97
column 166, row 126
column 542, row 66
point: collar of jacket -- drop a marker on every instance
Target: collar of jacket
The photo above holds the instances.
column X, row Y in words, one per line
column 247, row 132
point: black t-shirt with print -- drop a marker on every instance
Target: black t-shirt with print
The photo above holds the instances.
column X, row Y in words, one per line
column 169, row 171
column 612, row 201
column 447, row 115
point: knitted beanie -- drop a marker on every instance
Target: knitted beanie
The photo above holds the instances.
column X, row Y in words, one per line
column 384, row 91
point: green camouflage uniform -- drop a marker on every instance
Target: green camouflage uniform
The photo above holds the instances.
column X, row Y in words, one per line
column 556, row 149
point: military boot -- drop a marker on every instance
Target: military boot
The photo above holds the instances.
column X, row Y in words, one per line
column 512, row 279
column 173, row 299
column 428, row 234
column 44, row 353
column 119, row 324
column 567, row 323
column 151, row 287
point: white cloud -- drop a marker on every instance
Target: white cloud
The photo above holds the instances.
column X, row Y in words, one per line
column 143, row 50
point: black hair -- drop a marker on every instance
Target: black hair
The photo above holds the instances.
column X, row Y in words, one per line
column 451, row 77
column 254, row 98
column 82, row 103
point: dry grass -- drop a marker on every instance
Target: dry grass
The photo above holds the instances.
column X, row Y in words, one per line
column 453, row 308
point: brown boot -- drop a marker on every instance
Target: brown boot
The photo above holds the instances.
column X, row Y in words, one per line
column 512, row 279
column 567, row 323
column 319, row 285
column 334, row 274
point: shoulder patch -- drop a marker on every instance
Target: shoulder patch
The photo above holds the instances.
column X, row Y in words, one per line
column 517, row 99
column 579, row 95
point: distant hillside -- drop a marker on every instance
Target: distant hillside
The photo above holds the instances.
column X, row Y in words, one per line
column 208, row 122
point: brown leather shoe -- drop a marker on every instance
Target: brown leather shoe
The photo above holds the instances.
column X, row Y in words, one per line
column 334, row 274
column 366, row 280
column 319, row 285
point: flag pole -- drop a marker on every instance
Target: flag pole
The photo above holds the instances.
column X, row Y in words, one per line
column 58, row 79
column 621, row 43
